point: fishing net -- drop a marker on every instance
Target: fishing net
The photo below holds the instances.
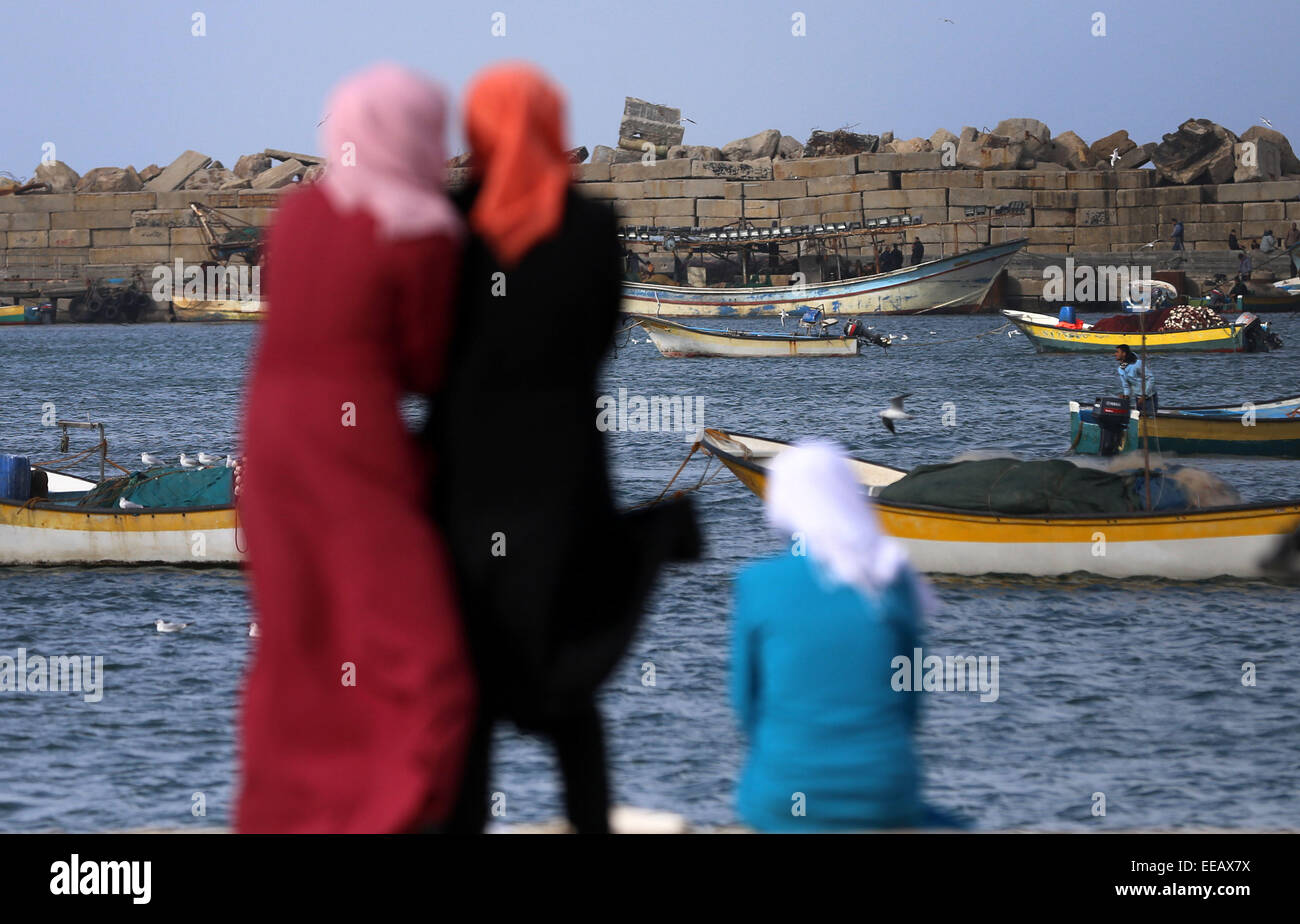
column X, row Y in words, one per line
column 164, row 487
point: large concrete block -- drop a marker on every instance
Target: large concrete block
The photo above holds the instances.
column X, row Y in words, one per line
column 684, row 189
column 592, row 173
column 115, row 201
column 188, row 253
column 19, row 239
column 719, row 208
column 1024, row 179
column 1264, row 211
column 732, row 169
column 962, row 196
column 1098, row 238
column 1135, row 179
column 804, row 168
column 857, row 182
column 844, row 202
column 130, row 255
column 659, row 170
column 24, row 221
column 635, row 208
column 1048, row 218
column 1228, row 211
column 1050, row 235
column 1251, row 192
column 150, row 235
column 99, row 218
column 902, row 163
column 940, row 179
column 675, row 221
column 182, row 198
column 673, row 207
column 280, row 175
column 109, row 237
column 799, row 208
column 770, row 189
column 185, row 236
column 166, row 218
column 1178, row 195
column 177, row 172
column 761, row 209
column 911, row 199
column 1072, row 198
column 39, row 202
column 611, row 190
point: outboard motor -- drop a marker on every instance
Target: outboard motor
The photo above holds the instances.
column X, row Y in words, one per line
column 1112, row 416
column 856, row 328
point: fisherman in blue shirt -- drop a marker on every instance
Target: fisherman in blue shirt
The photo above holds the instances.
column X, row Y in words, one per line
column 1139, row 383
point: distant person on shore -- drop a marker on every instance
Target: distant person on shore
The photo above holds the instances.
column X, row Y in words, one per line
column 918, row 252
column 1138, row 382
column 1290, row 243
column 1232, row 241
column 816, row 630
column 358, row 708
column 551, row 577
column 1244, row 266
column 1268, row 243
column 1178, row 234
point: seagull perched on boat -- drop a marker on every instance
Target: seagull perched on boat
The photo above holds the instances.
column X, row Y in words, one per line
column 163, row 625
column 231, row 461
column 128, row 505
column 187, row 462
column 150, row 460
column 894, row 412
column 207, row 458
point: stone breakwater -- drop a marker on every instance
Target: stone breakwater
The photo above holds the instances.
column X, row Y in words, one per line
column 1094, row 213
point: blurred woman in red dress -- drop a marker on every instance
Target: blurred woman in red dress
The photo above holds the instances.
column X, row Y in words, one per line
column 359, row 702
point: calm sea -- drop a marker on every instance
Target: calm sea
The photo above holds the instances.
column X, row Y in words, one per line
column 1129, row 689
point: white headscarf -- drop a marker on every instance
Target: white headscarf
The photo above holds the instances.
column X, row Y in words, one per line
column 812, row 494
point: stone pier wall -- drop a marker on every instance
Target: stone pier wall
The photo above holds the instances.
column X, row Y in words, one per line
column 1093, row 211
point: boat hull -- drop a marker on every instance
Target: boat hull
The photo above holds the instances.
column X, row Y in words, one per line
column 956, row 284
column 1190, row 545
column 676, row 340
column 51, row 534
column 1048, row 338
column 1237, row 434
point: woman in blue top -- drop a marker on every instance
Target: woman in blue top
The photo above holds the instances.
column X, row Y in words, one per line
column 830, row 740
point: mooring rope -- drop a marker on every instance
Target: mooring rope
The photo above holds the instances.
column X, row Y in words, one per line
column 699, row 484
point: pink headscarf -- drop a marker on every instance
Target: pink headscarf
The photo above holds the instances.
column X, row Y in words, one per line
column 383, row 140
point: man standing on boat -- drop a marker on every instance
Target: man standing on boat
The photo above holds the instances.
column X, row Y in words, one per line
column 1138, row 382
column 918, row 252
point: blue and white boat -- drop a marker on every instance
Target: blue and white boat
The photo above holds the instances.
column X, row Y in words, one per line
column 951, row 285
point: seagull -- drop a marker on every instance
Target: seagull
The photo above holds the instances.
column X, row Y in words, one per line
column 904, row 337
column 231, row 461
column 187, row 462
column 1266, row 121
column 209, row 459
column 1114, row 156
column 163, row 625
column 1013, row 333
column 894, row 412
column 253, row 631
column 947, row 20
column 151, row 460
column 1150, row 244
column 684, row 119
column 128, row 505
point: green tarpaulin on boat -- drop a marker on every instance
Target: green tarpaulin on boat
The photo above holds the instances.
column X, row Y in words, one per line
column 1013, row 486
column 165, row 487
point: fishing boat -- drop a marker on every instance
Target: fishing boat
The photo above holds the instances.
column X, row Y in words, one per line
column 674, row 339
column 26, row 314
column 1048, row 335
column 1267, row 428
column 953, row 284
column 232, row 309
column 1199, row 544
column 75, row 520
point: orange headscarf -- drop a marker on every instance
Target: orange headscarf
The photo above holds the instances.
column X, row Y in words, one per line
column 514, row 120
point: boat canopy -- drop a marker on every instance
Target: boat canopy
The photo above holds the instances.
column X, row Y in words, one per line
column 165, row 487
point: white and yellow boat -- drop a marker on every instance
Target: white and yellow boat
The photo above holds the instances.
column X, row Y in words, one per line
column 674, row 339
column 51, row 532
column 231, row 309
column 1231, row 541
column 1048, row 335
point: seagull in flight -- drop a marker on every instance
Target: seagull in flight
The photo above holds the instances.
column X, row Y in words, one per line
column 1114, row 156
column 151, row 460
column 163, row 625
column 947, row 20
column 894, row 412
column 1266, row 121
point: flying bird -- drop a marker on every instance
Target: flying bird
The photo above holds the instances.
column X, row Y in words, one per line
column 946, row 20
column 684, row 119
column 187, row 462
column 894, row 412
column 150, row 460
column 163, row 625
column 1266, row 121
column 1114, row 156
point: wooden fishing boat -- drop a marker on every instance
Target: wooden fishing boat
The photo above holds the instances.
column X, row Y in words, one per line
column 53, row 532
column 1048, row 336
column 26, row 314
column 233, row 309
column 951, row 284
column 1268, row 429
column 674, row 339
column 1188, row 545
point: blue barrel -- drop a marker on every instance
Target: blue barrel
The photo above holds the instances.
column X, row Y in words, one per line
column 15, row 478
column 1067, row 314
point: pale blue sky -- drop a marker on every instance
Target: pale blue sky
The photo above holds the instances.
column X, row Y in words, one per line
column 114, row 83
